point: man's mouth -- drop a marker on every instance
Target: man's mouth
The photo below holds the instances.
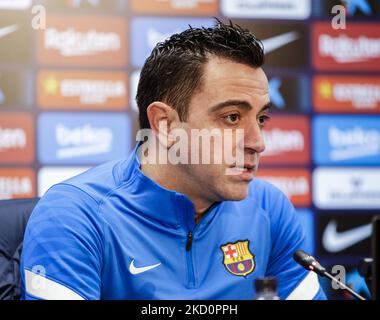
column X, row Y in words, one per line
column 246, row 172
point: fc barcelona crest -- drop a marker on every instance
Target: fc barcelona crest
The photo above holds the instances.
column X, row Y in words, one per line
column 238, row 260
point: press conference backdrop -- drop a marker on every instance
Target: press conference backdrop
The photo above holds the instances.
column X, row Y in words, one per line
column 67, row 101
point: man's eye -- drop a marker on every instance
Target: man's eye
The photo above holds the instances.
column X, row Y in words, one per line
column 263, row 120
column 232, row 118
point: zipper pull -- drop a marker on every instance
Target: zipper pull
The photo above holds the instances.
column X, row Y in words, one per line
column 189, row 241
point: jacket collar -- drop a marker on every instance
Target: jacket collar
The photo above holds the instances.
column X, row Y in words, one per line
column 152, row 200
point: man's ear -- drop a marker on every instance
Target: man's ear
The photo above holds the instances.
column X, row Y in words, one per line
column 162, row 119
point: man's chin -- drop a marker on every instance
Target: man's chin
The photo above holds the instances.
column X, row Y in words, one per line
column 237, row 194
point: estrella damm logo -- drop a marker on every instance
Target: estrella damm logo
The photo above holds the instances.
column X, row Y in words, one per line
column 238, row 259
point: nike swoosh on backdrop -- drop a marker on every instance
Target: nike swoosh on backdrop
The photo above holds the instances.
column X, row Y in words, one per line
column 7, row 30
column 335, row 241
column 276, row 42
column 135, row 270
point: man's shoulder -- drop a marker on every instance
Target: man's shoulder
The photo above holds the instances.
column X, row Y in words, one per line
column 268, row 198
column 96, row 182
column 264, row 193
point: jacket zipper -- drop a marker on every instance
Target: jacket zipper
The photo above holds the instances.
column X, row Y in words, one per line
column 189, row 261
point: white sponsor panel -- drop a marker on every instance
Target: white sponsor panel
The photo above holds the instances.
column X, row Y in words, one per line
column 267, row 9
column 134, row 82
column 49, row 176
column 344, row 49
column 15, row 4
column 344, row 188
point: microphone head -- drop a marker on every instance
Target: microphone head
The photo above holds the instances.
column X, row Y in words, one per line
column 308, row 262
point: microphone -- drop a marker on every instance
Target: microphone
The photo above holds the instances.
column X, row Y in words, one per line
column 309, row 263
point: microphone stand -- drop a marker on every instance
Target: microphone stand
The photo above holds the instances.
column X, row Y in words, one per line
column 309, row 263
column 344, row 287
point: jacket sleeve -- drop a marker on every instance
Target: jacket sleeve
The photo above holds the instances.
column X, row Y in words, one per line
column 63, row 243
column 287, row 236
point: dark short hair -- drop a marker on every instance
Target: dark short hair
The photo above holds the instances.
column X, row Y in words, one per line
column 173, row 71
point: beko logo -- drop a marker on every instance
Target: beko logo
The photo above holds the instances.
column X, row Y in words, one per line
column 279, row 141
column 339, row 188
column 74, row 43
column 12, row 138
column 344, row 49
column 82, row 141
column 353, row 143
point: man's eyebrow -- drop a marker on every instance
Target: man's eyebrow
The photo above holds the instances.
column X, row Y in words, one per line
column 238, row 103
column 268, row 107
column 242, row 104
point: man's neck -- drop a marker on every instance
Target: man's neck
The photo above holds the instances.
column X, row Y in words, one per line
column 169, row 177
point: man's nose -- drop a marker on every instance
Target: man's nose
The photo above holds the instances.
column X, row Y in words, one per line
column 254, row 139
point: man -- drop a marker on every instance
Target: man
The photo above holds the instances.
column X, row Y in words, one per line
column 148, row 229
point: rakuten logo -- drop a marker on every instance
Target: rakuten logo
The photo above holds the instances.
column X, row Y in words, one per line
column 82, row 141
column 279, row 141
column 357, row 47
column 287, row 141
column 16, row 138
column 12, row 138
column 83, row 40
column 347, row 50
column 74, row 43
column 353, row 143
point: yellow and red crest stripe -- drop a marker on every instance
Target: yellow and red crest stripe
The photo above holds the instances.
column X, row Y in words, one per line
column 237, row 258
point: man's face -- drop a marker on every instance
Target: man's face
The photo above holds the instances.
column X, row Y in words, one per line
column 233, row 96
